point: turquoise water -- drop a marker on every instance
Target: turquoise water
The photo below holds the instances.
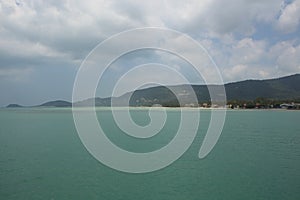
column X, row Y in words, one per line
column 256, row 157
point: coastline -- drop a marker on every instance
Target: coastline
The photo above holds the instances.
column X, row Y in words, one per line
column 99, row 108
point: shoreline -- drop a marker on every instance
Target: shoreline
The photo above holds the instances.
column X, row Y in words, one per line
column 144, row 108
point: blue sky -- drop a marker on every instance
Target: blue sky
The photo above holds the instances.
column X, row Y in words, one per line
column 43, row 43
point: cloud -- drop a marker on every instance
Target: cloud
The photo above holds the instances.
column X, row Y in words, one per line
column 289, row 19
column 246, row 39
column 13, row 74
column 287, row 56
column 218, row 18
column 255, row 59
column 235, row 71
column 248, row 51
column 66, row 27
column 148, row 74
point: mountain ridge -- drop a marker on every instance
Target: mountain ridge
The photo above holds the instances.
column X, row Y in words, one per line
column 275, row 89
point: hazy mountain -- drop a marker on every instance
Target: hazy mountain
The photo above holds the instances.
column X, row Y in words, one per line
column 284, row 88
column 58, row 103
column 14, row 106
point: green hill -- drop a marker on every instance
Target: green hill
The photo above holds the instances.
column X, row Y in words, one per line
column 277, row 89
column 280, row 89
column 272, row 90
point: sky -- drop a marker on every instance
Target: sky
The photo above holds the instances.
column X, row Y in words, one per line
column 43, row 43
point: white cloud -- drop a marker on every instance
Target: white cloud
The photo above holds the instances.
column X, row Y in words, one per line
column 235, row 71
column 287, row 56
column 289, row 19
column 248, row 51
column 255, row 59
column 247, row 39
column 218, row 18
column 66, row 26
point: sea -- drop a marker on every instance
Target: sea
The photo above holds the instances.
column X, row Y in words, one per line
column 256, row 157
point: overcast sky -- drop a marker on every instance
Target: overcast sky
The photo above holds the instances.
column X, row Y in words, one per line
column 43, row 43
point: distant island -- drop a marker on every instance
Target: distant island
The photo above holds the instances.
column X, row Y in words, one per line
column 14, row 106
column 281, row 92
column 57, row 103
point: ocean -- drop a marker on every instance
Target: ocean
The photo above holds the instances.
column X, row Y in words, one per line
column 257, row 157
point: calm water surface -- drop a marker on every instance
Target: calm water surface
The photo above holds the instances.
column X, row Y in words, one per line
column 256, row 157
